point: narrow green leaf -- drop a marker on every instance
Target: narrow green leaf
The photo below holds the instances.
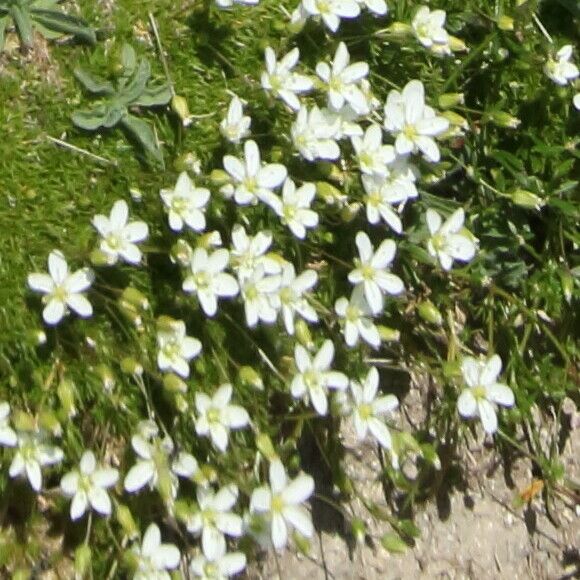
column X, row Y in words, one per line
column 137, row 84
column 3, row 24
column 393, row 543
column 128, row 59
column 65, row 24
column 154, row 96
column 23, row 24
column 142, row 132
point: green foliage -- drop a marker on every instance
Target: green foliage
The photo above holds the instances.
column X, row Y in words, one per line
column 43, row 16
column 132, row 90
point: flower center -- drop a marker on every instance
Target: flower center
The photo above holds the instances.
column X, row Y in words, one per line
column 286, row 295
column 289, row 212
column 202, row 280
column 368, row 272
column 172, row 349
column 438, row 241
column 312, row 380
column 352, row 313
column 179, row 205
column 479, row 392
column 410, row 132
column 277, row 503
column 365, row 411
column 114, row 241
column 213, row 415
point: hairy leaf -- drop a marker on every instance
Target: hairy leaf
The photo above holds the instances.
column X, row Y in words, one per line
column 93, row 84
column 143, row 133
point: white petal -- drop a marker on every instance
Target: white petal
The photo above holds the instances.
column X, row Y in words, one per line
column 324, row 356
column 500, row 394
column 380, row 432
column 100, row 501
column 466, row 404
column 57, row 266
column 470, row 369
column 53, row 311
column 487, row 415
column 80, row 280
column 166, row 557
column 279, row 531
column 79, row 505
column 80, row 305
column 41, row 283
column 491, row 370
column 300, row 519
column 299, row 490
column 139, row 475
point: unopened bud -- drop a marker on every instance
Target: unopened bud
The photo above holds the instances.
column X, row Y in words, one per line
column 66, row 395
column 209, row 240
column 329, row 193
column 188, row 162
column 126, row 521
column 99, row 258
column 181, row 253
column 388, row 334
column 173, row 384
column 527, row 199
column 130, row 366
column 448, row 100
column 350, row 211
column 165, row 484
column 166, row 324
column 457, row 45
column 303, row 334
column 265, row 447
column 503, row 119
column 106, row 375
column 505, row 23
column 23, row 421
column 250, row 377
column 429, row 313
column 181, row 109
column 400, row 29
column 567, row 284
column 219, row 177
column 455, row 120
column 47, row 420
column 359, row 530
column 330, row 171
column 82, row 561
column 136, row 298
column 37, row 337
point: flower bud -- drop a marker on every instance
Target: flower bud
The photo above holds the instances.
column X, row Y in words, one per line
column 166, row 324
column 505, row 23
column 165, row 484
column 359, row 530
column 106, row 375
column 527, row 199
column 301, row 542
column 219, row 177
column 276, row 154
column 23, row 421
column 188, row 162
column 181, row 253
column 350, row 211
column 66, row 395
column 503, row 119
column 400, row 29
column 388, row 334
column 303, row 334
column 36, row 337
column 448, row 100
column 181, row 109
column 82, row 561
column 130, row 312
column 126, row 521
column 567, row 282
column 330, row 171
column 173, row 384
column 99, row 258
column 250, row 377
column 136, row 298
column 181, row 403
column 455, row 120
column 47, row 420
column 265, row 447
column 209, row 240
column 457, row 45
column 131, row 367
column 136, row 194
column 429, row 313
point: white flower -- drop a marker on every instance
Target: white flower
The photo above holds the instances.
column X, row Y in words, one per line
column 229, row 3
column 378, row 7
column 208, row 279
column 369, row 410
column 314, row 377
column 176, row 349
column 313, row 134
column 251, row 180
column 235, row 126
column 372, row 273
column 331, row 11
column 33, row 453
column 247, row 253
column 380, row 199
column 342, row 79
column 152, row 464
column 218, row 565
column 413, row 123
column 428, row 28
column 483, row 390
column 154, row 558
column 294, row 207
column 8, row 436
column 291, row 296
column 576, row 101
column 401, row 179
column 561, row 70
column 371, row 154
column 88, row 487
column 280, row 79
column 213, row 519
column 357, row 319
column 62, row 290
column 343, row 122
column 259, row 294
column 449, row 240
column 119, row 236
column 216, row 416
column 186, row 204
column 281, row 503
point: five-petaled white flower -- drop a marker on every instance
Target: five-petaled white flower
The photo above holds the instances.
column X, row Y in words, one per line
column 119, row 236
column 449, row 240
column 185, row 204
column 32, row 454
column 279, row 78
column 293, row 207
column 371, row 154
column 331, row 11
column 291, row 296
column 281, row 503
column 258, row 292
column 247, row 253
column 208, row 280
column 216, row 417
column 153, row 558
column 369, row 410
column 372, row 272
column 314, row 376
column 483, row 390
column 357, row 317
column 342, row 80
column 235, row 125
column 63, row 290
column 413, row 123
column 218, row 565
column 214, row 519
column 428, row 27
column 175, row 348
column 380, row 198
column 8, row 436
column 561, row 70
column 252, row 181
column 313, row 134
column 88, row 486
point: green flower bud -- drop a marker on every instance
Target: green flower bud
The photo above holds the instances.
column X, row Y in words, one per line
column 457, row 45
column 181, row 253
column 429, row 313
column 455, row 120
column 276, row 154
column 99, row 258
column 106, row 375
column 250, row 377
column 126, row 521
column 350, row 211
column 134, row 297
column 181, row 403
column 400, row 29
column 219, row 177
column 567, row 282
column 136, row 194
column 328, row 193
column 23, row 421
column 187, row 162
column 302, row 543
column 448, row 100
column 527, row 199
column 330, row 171
column 388, row 334
column 359, row 530
column 66, row 395
column 503, row 119
column 173, row 384
column 82, row 561
column 181, row 109
column 265, row 447
column 505, row 23
column 166, row 324
column 303, row 334
column 48, row 421
column 165, row 484
column 131, row 367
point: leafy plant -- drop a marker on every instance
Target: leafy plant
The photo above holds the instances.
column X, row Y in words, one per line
column 45, row 17
column 132, row 90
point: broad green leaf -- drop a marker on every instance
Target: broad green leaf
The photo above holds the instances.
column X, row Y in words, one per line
column 92, row 84
column 128, row 59
column 393, row 543
column 143, row 133
column 137, row 84
column 154, row 96
column 65, row 24
column 92, row 119
column 114, row 114
column 23, row 24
